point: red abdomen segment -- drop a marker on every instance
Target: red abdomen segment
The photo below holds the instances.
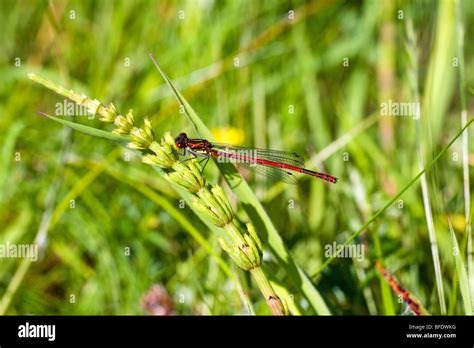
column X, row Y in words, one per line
column 325, row 177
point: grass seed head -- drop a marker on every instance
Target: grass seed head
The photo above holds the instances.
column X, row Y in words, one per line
column 107, row 113
column 124, row 124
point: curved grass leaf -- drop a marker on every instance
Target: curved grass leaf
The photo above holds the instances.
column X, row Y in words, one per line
column 393, row 200
column 88, row 130
column 462, row 274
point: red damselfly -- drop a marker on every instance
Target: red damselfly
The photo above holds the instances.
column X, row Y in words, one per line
column 273, row 163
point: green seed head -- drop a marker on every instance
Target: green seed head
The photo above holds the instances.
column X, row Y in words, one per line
column 254, row 236
column 147, row 127
column 204, row 211
column 223, row 202
column 187, row 175
column 92, row 105
column 124, row 123
column 142, row 138
column 168, row 139
column 107, row 113
column 242, row 247
column 217, row 204
column 163, row 156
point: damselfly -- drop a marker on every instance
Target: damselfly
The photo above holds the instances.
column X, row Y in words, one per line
column 273, row 163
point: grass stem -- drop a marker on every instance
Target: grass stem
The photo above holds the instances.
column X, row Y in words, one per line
column 393, row 200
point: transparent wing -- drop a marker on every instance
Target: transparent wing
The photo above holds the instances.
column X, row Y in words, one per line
column 291, row 158
column 274, row 173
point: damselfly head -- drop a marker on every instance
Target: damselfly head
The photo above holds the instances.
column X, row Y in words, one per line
column 181, row 141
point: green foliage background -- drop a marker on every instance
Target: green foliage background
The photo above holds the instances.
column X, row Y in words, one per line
column 274, row 72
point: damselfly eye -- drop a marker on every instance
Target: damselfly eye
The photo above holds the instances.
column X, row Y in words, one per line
column 181, row 140
column 178, row 143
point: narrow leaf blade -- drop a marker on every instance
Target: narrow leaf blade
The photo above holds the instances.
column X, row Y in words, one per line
column 462, row 274
column 88, row 130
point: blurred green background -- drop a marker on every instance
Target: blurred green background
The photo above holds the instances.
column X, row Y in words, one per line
column 291, row 75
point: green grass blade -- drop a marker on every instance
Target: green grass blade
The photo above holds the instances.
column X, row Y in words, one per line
column 393, row 200
column 81, row 185
column 7, row 151
column 254, row 209
column 88, row 130
column 465, row 143
column 20, row 273
column 427, row 205
column 470, row 269
column 411, row 48
column 462, row 274
column 440, row 77
column 386, row 292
